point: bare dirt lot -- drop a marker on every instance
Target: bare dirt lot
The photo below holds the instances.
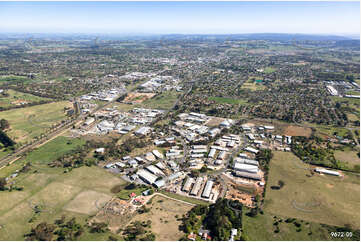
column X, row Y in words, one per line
column 214, row 121
column 293, row 130
column 136, row 97
column 116, row 213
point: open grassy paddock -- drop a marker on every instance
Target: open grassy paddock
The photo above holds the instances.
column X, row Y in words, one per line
column 262, row 227
column 163, row 212
column 78, row 193
column 163, row 100
column 15, row 98
column 27, row 123
column 10, row 78
column 315, row 198
column 348, row 155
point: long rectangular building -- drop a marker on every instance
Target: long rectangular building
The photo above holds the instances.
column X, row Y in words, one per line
column 246, row 161
column 222, row 155
column 197, row 186
column 155, row 170
column 188, row 184
column 212, row 153
column 207, row 189
column 245, row 167
column 147, row 176
column 254, row 176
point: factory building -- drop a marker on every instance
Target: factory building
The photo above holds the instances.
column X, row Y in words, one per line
column 254, row 176
column 245, row 167
column 246, row 161
column 207, row 189
column 188, row 184
column 212, row 153
column 197, row 186
column 147, row 176
column 155, row 170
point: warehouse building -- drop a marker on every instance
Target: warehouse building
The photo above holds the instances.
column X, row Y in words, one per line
column 246, row 161
column 222, row 155
column 252, row 150
column 157, row 154
column 245, row 167
column 212, row 153
column 207, row 189
column 254, row 176
column 197, row 186
column 147, row 176
column 155, row 170
column 188, row 184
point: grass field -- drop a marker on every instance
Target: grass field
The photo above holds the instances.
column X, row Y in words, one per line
column 269, row 70
column 318, row 198
column 124, row 194
column 348, row 156
column 253, row 86
column 27, row 123
column 163, row 100
column 44, row 154
column 227, row 100
column 14, row 78
column 51, row 150
column 163, row 214
column 348, row 102
column 75, row 194
column 262, row 228
column 16, row 97
column 329, row 130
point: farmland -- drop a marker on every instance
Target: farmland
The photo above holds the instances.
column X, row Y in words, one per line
column 316, row 201
column 30, row 122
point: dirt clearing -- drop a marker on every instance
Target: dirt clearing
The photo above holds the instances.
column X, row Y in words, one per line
column 293, row 130
column 137, row 97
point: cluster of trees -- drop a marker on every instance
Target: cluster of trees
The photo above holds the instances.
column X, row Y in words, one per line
column 138, row 231
column 4, row 124
column 218, row 218
column 26, row 105
column 60, row 230
column 6, row 140
column 3, row 183
column 77, row 157
column 264, row 157
column 311, row 151
column 115, row 150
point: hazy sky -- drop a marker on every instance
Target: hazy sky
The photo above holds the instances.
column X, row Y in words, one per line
column 180, row 17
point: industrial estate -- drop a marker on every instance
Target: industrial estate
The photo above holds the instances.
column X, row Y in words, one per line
column 179, row 137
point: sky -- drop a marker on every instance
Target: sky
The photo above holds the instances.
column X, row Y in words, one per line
column 180, row 17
